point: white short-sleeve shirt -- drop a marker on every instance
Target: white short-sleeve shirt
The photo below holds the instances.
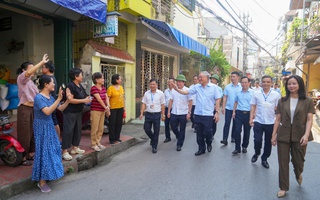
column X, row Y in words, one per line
column 153, row 101
column 265, row 106
column 180, row 102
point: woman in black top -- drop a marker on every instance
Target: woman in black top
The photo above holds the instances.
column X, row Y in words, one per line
column 72, row 115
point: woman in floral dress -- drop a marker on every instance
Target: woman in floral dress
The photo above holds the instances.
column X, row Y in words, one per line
column 47, row 161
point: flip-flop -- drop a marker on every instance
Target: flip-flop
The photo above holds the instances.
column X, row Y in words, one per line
column 26, row 163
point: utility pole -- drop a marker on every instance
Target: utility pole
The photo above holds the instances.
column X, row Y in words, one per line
column 245, row 42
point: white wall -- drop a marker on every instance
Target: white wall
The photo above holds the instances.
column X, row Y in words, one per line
column 38, row 39
column 231, row 49
column 187, row 25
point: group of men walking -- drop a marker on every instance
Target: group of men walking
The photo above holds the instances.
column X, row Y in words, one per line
column 201, row 103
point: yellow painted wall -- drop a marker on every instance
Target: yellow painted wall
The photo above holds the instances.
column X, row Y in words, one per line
column 134, row 7
column 95, row 64
column 314, row 76
column 130, row 70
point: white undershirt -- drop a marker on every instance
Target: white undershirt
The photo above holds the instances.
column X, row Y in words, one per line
column 293, row 105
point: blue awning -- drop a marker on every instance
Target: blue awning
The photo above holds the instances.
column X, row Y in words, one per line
column 94, row 9
column 181, row 38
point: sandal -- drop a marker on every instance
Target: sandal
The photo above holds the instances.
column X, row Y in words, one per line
column 77, row 151
column 281, row 194
column 26, row 163
column 66, row 156
column 101, row 146
column 95, row 147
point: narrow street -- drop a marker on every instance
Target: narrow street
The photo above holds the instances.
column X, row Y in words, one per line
column 139, row 174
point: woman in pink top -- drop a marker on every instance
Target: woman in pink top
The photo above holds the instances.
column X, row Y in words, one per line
column 27, row 90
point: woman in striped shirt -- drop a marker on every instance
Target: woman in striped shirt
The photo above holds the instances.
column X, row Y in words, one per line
column 99, row 108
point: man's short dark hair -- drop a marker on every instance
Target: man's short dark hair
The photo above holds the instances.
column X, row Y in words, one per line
column 245, row 77
column 49, row 65
column 266, row 76
column 236, row 73
column 153, row 80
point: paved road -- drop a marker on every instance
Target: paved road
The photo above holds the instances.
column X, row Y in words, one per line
column 170, row 175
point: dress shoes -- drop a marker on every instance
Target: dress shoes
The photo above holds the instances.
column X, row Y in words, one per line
column 244, row 150
column 265, row 164
column 209, row 148
column 154, row 150
column 233, row 140
column 299, row 180
column 167, row 140
column 235, row 152
column 198, row 153
column 178, row 148
column 254, row 158
column 281, row 193
column 225, row 142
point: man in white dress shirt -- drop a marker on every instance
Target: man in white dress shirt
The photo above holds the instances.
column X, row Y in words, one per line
column 194, row 100
column 153, row 103
column 262, row 116
column 167, row 94
column 214, row 78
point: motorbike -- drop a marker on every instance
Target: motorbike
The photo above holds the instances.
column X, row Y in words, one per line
column 315, row 95
column 10, row 148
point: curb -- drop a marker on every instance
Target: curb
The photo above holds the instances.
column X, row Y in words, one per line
column 77, row 164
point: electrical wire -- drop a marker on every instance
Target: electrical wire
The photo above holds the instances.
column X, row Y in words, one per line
column 243, row 29
column 264, row 10
column 216, row 16
column 245, row 24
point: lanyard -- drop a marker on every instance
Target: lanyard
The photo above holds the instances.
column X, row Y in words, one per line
column 152, row 95
column 265, row 97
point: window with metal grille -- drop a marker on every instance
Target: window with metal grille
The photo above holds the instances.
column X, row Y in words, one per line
column 189, row 4
column 157, row 66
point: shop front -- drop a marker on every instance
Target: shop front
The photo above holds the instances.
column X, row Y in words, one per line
column 29, row 29
column 159, row 50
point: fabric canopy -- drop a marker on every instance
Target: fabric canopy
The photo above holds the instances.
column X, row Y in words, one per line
column 181, row 38
column 94, row 9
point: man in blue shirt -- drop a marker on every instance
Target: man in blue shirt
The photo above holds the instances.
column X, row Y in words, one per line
column 276, row 88
column 229, row 95
column 208, row 99
column 241, row 116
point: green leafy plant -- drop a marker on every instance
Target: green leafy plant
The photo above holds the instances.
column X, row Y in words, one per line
column 292, row 34
column 216, row 63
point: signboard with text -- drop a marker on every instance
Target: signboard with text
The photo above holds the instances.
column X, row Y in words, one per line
column 110, row 29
